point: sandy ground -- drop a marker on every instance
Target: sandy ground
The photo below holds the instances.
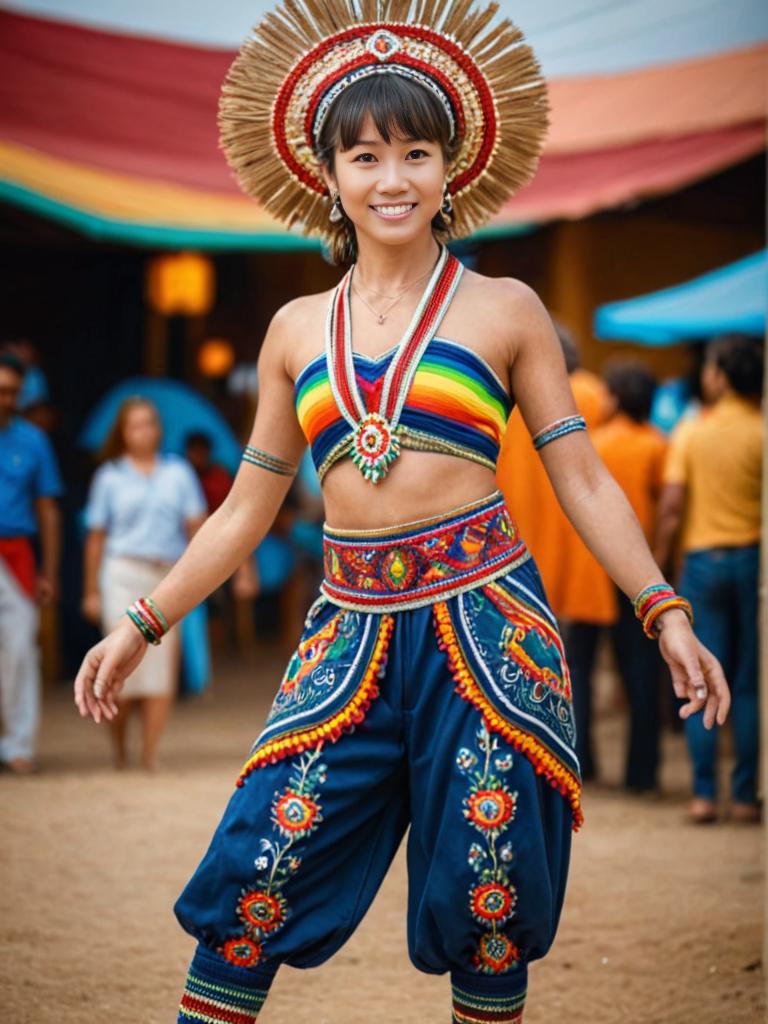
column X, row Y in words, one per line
column 662, row 921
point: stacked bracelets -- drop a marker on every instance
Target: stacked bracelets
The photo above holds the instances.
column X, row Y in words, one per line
column 558, row 429
column 264, row 460
column 148, row 618
column 653, row 600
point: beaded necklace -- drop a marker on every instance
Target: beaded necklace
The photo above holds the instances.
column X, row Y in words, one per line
column 374, row 441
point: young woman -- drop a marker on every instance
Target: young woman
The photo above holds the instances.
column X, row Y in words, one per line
column 142, row 509
column 429, row 687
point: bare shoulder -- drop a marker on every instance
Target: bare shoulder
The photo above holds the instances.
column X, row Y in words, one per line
column 296, row 330
column 509, row 309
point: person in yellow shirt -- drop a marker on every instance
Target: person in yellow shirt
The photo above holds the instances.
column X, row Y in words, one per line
column 712, row 499
column 633, row 451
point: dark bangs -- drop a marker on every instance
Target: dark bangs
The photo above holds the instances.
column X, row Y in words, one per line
column 399, row 107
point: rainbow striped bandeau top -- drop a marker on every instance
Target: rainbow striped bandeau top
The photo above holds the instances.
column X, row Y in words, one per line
column 456, row 405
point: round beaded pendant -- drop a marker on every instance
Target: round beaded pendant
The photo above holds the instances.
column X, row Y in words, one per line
column 374, row 446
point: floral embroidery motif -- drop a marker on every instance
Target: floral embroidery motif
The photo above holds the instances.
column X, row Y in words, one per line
column 490, row 807
column 263, row 908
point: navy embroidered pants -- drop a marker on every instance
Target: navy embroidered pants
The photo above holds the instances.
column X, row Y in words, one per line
column 307, row 837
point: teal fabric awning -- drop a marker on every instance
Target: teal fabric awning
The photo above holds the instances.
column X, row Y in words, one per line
column 731, row 298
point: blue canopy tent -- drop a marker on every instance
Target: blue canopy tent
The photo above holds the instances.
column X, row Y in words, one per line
column 731, row 298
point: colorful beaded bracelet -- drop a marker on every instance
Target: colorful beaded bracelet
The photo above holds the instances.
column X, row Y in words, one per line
column 264, row 460
column 655, row 599
column 558, row 429
column 149, row 620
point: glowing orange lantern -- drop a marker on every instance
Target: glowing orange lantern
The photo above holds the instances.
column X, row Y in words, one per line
column 181, row 283
column 215, row 357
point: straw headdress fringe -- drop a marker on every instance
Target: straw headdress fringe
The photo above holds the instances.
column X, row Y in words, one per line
column 290, row 187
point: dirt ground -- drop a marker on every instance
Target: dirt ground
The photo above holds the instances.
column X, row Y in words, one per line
column 662, row 922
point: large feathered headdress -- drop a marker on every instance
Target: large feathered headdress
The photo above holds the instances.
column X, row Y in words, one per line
column 303, row 54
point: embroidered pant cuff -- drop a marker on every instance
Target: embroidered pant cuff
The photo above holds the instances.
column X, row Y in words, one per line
column 219, row 991
column 480, row 999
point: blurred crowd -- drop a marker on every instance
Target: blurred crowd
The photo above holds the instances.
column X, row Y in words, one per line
column 696, row 492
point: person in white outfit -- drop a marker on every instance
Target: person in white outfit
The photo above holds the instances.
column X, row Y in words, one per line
column 143, row 506
column 29, row 485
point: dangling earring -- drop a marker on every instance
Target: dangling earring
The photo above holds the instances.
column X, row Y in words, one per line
column 447, row 208
column 335, row 213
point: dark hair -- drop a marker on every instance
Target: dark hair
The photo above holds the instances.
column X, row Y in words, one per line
column 197, row 437
column 399, row 108
column 740, row 357
column 568, row 345
column 633, row 386
column 8, row 361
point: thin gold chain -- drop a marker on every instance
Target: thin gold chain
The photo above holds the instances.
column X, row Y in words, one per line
column 381, row 316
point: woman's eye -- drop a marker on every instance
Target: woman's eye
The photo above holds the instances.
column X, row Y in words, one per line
column 364, row 158
column 416, row 154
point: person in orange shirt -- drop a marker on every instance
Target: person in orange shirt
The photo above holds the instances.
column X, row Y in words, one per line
column 634, row 452
column 566, row 566
column 712, row 497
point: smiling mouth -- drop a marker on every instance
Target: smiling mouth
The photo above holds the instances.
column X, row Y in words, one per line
column 394, row 210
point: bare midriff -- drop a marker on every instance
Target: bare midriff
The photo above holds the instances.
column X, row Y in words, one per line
column 419, row 484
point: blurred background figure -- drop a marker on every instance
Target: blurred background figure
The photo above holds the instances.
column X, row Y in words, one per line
column 712, row 498
column 634, row 451
column 214, row 479
column 29, row 485
column 562, row 557
column 143, row 507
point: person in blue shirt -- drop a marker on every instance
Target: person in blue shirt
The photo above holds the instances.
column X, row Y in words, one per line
column 143, row 506
column 29, row 485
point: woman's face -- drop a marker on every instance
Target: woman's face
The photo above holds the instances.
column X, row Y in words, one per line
column 389, row 190
column 141, row 432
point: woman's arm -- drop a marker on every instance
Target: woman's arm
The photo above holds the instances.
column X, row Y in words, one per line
column 49, row 523
column 223, row 541
column 94, row 551
column 230, row 534
column 593, row 501
column 668, row 521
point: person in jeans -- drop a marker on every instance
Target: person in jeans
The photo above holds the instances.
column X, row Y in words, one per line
column 712, row 496
column 633, row 451
column 29, row 485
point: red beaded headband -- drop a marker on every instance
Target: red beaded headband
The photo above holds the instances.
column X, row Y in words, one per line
column 305, row 53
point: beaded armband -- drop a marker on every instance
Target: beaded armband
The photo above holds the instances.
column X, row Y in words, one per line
column 653, row 600
column 148, row 619
column 558, row 429
column 264, row 460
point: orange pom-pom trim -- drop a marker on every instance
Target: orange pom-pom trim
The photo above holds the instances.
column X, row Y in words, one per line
column 346, row 719
column 543, row 760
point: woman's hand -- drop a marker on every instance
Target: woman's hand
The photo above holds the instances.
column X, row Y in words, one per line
column 105, row 668
column 695, row 670
column 91, row 607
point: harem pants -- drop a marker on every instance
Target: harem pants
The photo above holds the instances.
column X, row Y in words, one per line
column 307, row 836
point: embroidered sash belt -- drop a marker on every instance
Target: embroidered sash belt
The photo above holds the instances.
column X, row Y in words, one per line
column 414, row 564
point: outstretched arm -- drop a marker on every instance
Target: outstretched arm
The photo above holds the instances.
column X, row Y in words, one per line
column 596, row 505
column 223, row 541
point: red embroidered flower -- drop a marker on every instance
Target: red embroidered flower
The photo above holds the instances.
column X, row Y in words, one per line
column 491, row 902
column 262, row 910
column 243, row 952
column 496, row 953
column 296, row 812
column 489, row 809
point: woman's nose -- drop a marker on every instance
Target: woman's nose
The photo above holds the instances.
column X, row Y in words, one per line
column 392, row 180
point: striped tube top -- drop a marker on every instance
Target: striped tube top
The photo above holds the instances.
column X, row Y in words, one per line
column 456, row 405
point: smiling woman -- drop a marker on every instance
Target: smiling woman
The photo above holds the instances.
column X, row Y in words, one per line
column 401, row 129
column 429, row 687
